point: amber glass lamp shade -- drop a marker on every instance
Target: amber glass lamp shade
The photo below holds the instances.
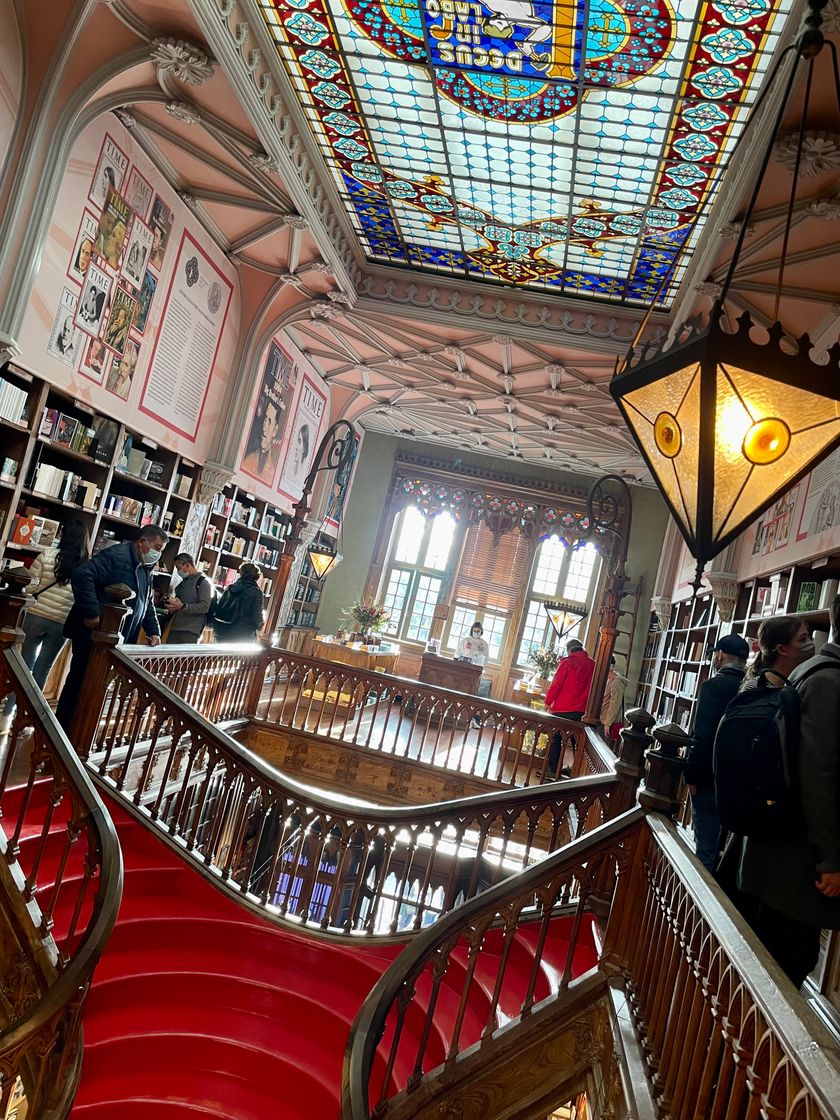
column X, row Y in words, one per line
column 564, row 616
column 727, row 424
column 323, row 559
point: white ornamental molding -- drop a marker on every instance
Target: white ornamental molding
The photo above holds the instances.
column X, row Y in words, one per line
column 820, row 152
column 290, row 280
column 731, row 231
column 826, row 208
column 662, row 608
column 339, row 297
column 214, row 478
column 397, row 363
column 294, row 221
column 831, row 18
column 708, row 288
column 262, row 161
column 126, row 118
column 325, row 310
column 188, row 199
column 724, row 587
column 183, row 111
column 185, row 61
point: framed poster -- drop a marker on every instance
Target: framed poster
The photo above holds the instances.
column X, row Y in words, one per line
column 144, row 301
column 113, row 225
column 95, row 360
column 341, row 486
column 65, row 339
column 122, row 370
column 109, row 172
column 303, row 441
column 161, row 223
column 138, row 249
column 120, row 318
column 188, row 339
column 268, row 418
column 138, row 193
column 83, row 246
column 96, row 287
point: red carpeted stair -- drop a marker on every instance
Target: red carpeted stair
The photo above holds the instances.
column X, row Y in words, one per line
column 199, row 1008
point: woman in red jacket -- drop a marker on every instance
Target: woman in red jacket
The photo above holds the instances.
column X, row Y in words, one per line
column 567, row 694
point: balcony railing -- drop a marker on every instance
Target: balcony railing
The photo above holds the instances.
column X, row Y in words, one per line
column 61, row 874
column 293, row 852
column 503, row 743
column 720, row 1030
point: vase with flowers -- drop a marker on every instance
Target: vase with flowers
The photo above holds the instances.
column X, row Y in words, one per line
column 545, row 662
column 369, row 617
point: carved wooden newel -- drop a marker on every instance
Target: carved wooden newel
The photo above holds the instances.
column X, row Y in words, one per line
column 94, row 684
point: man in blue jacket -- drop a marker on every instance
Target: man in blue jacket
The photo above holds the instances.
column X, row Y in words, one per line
column 132, row 563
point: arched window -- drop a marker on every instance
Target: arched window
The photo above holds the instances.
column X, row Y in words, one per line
column 418, row 558
column 558, row 573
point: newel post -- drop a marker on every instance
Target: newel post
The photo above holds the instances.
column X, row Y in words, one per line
column 634, row 740
column 13, row 604
column 257, row 671
column 665, row 764
column 92, row 693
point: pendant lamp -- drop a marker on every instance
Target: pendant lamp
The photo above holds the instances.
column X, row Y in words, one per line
column 727, row 420
column 323, row 557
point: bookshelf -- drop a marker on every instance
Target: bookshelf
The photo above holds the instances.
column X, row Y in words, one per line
column 676, row 660
column 61, row 458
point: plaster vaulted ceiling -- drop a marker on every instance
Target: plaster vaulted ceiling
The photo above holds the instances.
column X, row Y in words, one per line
column 430, row 331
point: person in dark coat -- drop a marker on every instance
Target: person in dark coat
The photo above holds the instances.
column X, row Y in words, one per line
column 729, row 661
column 795, row 878
column 131, row 563
column 239, row 613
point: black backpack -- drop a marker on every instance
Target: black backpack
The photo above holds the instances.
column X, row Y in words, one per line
column 756, row 757
column 214, row 601
column 225, row 609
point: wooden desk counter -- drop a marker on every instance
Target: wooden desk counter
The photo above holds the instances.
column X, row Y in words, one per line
column 383, row 659
column 444, row 672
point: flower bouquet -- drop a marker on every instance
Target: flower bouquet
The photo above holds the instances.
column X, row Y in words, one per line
column 369, row 617
column 546, row 662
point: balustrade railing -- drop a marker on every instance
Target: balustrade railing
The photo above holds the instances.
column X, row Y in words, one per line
column 61, row 877
column 722, row 1033
column 300, row 854
column 505, row 743
column 466, row 964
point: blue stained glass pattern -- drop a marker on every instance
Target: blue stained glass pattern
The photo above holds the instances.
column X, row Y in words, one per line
column 570, row 145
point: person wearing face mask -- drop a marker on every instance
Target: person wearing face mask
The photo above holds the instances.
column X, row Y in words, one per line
column 729, row 662
column 189, row 606
column 473, row 647
column 793, row 880
column 130, row 562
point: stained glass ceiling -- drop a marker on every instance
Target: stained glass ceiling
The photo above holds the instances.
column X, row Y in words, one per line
column 538, row 143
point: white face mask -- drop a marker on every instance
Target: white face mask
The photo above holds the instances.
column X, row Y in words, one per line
column 152, row 556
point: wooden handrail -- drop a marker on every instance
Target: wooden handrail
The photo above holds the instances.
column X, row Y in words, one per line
column 560, row 883
column 484, row 738
column 293, row 852
column 44, row 793
column 690, row 966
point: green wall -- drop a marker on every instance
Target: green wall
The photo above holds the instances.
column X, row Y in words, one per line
column 370, row 490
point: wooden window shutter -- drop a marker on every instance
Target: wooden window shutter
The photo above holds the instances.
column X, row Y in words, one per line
column 492, row 575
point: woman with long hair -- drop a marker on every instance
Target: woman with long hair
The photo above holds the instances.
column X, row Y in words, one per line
column 50, row 587
column 239, row 613
column 783, row 643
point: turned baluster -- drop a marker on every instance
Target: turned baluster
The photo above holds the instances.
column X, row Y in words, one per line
column 634, row 740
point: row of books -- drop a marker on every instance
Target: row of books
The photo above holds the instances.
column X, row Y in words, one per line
column 132, row 509
column 239, row 546
column 246, row 514
column 302, row 618
column 67, row 431
column 55, row 482
column 268, row 556
column 310, row 594
column 134, row 461
column 272, row 526
column 31, row 530
column 14, row 402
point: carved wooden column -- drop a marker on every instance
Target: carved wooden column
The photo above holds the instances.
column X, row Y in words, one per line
column 665, row 764
column 634, row 740
column 607, row 631
column 94, row 684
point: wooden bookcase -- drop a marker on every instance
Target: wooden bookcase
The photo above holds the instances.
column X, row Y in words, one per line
column 250, row 528
column 676, row 660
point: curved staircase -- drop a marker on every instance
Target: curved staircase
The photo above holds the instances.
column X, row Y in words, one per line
column 200, row 1008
